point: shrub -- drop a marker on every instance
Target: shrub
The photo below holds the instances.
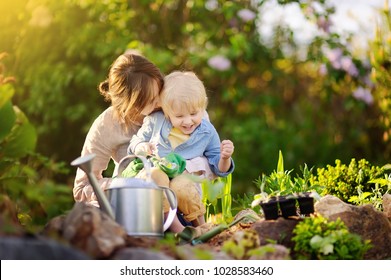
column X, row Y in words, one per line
column 347, row 181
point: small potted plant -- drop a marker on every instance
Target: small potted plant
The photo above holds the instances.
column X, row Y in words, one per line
column 305, row 191
column 275, row 193
column 289, row 195
column 267, row 201
column 287, row 205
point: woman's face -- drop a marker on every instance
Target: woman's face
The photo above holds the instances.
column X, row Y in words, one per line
column 151, row 106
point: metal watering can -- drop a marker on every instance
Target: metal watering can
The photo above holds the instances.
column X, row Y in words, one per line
column 134, row 203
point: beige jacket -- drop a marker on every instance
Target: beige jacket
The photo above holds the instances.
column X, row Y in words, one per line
column 108, row 140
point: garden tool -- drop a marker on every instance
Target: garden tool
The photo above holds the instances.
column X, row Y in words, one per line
column 189, row 234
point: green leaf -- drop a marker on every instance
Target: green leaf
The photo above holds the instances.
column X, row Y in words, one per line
column 21, row 140
column 6, row 93
column 7, row 117
column 280, row 164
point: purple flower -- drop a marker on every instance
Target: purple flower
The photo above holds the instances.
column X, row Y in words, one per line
column 368, row 82
column 324, row 24
column 348, row 65
column 363, row 94
column 334, row 57
column 246, row 15
column 219, row 62
column 323, row 70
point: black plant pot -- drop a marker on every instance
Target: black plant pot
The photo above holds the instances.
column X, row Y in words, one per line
column 287, row 206
column 270, row 209
column 306, row 204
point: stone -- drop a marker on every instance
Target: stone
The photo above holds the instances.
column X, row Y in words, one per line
column 132, row 253
column 37, row 248
column 387, row 205
column 279, row 230
column 271, row 252
column 92, row 231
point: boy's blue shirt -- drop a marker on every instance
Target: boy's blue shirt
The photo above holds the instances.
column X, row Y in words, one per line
column 204, row 141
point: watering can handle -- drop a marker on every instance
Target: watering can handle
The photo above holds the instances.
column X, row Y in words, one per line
column 147, row 165
column 172, row 200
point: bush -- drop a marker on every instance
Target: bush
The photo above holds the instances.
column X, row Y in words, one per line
column 359, row 180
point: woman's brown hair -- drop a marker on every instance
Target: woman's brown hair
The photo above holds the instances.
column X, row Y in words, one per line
column 130, row 86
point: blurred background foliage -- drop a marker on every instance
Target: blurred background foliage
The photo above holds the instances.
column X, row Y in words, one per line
column 316, row 104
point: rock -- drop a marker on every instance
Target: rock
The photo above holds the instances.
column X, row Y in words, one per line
column 92, row 231
column 33, row 248
column 201, row 251
column 130, row 253
column 364, row 220
column 279, row 230
column 271, row 252
column 387, row 205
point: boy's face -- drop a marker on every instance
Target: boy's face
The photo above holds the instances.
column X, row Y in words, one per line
column 184, row 119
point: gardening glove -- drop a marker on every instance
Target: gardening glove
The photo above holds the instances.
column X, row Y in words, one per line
column 172, row 164
column 133, row 168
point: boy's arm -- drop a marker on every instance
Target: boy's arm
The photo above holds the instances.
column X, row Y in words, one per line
column 219, row 155
column 139, row 143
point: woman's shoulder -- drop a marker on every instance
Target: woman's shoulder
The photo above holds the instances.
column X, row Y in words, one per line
column 108, row 125
column 107, row 116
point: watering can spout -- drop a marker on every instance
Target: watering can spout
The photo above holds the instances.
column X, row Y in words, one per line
column 85, row 163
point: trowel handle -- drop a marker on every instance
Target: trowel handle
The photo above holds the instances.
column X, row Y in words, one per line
column 125, row 161
column 172, row 200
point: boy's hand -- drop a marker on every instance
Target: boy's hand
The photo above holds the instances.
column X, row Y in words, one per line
column 227, row 149
column 144, row 149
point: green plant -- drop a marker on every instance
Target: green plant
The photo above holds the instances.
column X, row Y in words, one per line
column 280, row 182
column 242, row 244
column 24, row 174
column 217, row 190
column 302, row 182
column 242, row 201
column 317, row 238
column 277, row 183
column 359, row 182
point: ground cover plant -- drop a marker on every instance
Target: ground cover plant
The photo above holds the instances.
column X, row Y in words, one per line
column 316, row 238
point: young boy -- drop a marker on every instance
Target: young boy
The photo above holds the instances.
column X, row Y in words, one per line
column 182, row 129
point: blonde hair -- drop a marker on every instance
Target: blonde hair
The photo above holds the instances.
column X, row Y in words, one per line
column 130, row 86
column 184, row 89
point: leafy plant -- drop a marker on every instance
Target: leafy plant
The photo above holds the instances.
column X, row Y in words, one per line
column 359, row 182
column 215, row 191
column 317, row 238
column 242, row 244
column 280, row 182
column 24, row 174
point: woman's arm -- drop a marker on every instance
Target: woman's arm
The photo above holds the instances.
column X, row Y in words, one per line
column 108, row 140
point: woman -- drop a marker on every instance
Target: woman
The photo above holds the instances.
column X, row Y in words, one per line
column 133, row 87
